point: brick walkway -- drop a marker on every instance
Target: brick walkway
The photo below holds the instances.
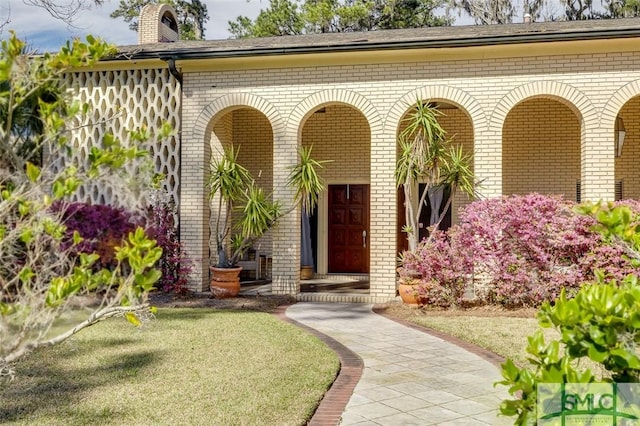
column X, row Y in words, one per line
column 409, row 378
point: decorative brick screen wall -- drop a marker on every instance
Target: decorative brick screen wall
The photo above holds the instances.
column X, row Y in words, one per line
column 126, row 100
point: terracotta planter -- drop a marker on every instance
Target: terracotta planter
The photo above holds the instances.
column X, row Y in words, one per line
column 225, row 282
column 306, row 272
column 409, row 294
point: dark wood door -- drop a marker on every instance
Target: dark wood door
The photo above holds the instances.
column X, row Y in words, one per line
column 348, row 228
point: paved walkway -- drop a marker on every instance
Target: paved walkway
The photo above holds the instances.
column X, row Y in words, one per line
column 410, row 377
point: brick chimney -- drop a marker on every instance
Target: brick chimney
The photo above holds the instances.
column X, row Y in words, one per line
column 157, row 23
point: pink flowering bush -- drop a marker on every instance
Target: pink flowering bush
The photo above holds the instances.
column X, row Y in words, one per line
column 442, row 271
column 528, row 248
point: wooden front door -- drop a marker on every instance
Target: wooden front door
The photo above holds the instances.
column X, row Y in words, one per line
column 348, row 228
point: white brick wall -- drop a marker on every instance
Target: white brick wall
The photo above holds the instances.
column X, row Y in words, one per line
column 582, row 88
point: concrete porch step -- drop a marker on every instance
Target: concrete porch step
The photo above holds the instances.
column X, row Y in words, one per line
column 339, row 277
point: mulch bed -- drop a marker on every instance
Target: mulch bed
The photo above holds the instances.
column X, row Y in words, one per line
column 206, row 300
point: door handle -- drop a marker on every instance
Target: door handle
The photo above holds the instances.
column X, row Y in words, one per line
column 364, row 238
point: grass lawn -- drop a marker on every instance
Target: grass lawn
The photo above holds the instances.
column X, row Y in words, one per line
column 188, row 366
column 502, row 332
column 505, row 336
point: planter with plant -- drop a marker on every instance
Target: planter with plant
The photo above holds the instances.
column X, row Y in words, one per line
column 427, row 156
column 233, row 190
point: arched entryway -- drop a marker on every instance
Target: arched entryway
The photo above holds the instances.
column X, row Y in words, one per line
column 340, row 226
column 541, row 149
column 459, row 130
column 250, row 133
column 627, row 150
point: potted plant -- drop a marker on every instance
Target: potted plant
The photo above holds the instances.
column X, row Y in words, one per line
column 233, row 189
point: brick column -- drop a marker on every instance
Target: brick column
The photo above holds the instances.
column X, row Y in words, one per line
column 382, row 202
column 194, row 201
column 598, row 162
column 286, row 235
column 487, row 161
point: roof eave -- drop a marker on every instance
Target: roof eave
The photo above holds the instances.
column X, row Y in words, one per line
column 363, row 46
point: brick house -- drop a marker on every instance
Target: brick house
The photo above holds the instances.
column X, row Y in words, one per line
column 545, row 107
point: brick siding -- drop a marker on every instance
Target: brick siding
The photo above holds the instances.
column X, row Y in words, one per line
column 531, row 123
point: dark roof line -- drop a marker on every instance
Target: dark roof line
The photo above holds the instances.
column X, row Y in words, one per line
column 442, row 37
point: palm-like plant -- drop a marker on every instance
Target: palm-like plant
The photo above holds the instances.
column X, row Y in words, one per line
column 226, row 184
column 427, row 156
column 304, row 178
column 233, row 188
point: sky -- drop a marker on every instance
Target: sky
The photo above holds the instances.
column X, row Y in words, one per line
column 45, row 33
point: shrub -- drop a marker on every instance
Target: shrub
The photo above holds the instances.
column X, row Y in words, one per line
column 101, row 226
column 529, row 247
column 174, row 263
column 442, row 270
column 601, row 323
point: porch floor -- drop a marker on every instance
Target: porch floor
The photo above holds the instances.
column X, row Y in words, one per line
column 358, row 284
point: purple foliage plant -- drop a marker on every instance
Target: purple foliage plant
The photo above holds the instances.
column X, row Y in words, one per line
column 161, row 226
column 525, row 247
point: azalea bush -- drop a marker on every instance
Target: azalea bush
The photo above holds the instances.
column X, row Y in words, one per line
column 104, row 227
column 529, row 246
column 442, row 271
column 526, row 249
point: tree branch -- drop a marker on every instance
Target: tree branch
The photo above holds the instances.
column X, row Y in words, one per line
column 95, row 318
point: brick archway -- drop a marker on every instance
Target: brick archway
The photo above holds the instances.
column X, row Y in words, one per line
column 470, row 116
column 616, row 102
column 196, row 152
column 562, row 92
column 236, row 100
column 581, row 106
column 334, row 96
column 449, row 94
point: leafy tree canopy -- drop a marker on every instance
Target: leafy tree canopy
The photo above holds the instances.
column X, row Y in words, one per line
column 293, row 17
column 488, row 12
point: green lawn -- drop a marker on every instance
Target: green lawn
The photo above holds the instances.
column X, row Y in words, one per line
column 188, row 366
column 502, row 334
column 505, row 336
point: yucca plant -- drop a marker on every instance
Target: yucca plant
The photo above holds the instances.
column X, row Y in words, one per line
column 427, row 156
column 305, row 179
column 232, row 187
